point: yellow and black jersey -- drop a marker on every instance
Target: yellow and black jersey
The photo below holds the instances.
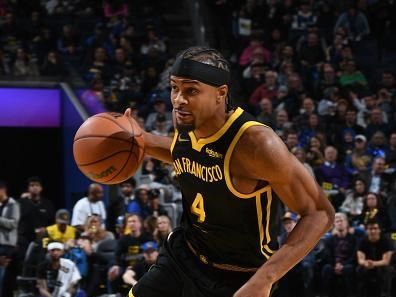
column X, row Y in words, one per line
column 223, row 225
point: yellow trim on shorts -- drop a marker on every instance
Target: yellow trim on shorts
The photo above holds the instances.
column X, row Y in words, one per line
column 130, row 293
column 200, row 143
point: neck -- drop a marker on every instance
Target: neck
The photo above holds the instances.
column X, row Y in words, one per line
column 35, row 197
column 136, row 233
column 373, row 239
column 343, row 233
column 211, row 127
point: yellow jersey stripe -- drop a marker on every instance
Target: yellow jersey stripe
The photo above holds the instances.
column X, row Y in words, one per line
column 227, row 160
column 174, row 141
column 199, row 144
column 130, row 293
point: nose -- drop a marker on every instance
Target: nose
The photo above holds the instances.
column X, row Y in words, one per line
column 179, row 100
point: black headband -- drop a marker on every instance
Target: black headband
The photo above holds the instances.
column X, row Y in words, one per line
column 202, row 72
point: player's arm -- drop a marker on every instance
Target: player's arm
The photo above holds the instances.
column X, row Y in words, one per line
column 265, row 157
column 155, row 145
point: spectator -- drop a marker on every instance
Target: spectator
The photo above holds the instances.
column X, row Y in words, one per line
column 57, row 277
column 376, row 123
column 36, row 213
column 68, row 43
column 378, row 180
column 340, row 261
column 95, row 231
column 312, row 129
column 353, row 203
column 52, row 65
column 300, row 154
column 391, row 155
column 292, row 140
column 115, row 8
column 24, row 65
column 351, row 77
column 9, row 219
column 150, row 255
column 297, row 281
column 282, row 122
column 161, row 126
column 374, row 255
column 355, row 22
column 267, row 114
column 255, row 49
column 88, row 206
column 311, row 53
column 378, row 146
column 153, row 43
column 140, row 205
column 118, row 205
column 156, row 208
column 358, row 160
column 61, row 231
column 159, row 108
column 129, row 247
column 333, row 177
column 315, row 151
column 373, row 209
column 164, row 228
column 266, row 90
column 304, row 17
column 308, row 108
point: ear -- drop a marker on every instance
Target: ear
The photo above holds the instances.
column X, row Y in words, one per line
column 222, row 92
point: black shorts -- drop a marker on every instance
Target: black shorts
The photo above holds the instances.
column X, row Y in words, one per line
column 179, row 273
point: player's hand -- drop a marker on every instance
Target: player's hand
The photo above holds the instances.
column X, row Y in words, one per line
column 254, row 288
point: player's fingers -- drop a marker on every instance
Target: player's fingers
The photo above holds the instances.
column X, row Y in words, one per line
column 127, row 112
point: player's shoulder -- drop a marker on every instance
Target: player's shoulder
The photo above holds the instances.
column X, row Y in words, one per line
column 260, row 137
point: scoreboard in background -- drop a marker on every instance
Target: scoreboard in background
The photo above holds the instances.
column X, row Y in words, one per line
column 28, row 107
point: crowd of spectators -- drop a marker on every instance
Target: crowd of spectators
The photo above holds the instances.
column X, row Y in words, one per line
column 297, row 67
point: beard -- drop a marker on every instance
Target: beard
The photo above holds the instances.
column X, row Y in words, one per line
column 185, row 127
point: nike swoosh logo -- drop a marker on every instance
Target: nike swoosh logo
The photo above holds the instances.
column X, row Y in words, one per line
column 182, row 139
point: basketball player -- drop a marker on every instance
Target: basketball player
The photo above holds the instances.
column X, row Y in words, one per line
column 232, row 170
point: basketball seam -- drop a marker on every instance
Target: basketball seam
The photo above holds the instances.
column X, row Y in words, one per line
column 103, row 136
column 129, row 156
column 111, row 120
column 115, row 122
column 105, row 158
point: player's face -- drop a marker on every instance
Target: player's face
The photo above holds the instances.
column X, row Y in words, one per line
column 194, row 103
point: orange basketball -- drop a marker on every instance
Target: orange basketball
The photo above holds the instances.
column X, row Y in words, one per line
column 109, row 148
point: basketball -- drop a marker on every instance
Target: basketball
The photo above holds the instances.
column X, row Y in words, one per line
column 108, row 148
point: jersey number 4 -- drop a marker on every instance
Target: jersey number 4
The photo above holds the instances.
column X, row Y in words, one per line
column 198, row 209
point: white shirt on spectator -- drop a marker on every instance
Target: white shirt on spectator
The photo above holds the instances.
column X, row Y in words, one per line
column 85, row 208
column 68, row 276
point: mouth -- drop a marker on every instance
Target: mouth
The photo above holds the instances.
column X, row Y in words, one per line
column 183, row 115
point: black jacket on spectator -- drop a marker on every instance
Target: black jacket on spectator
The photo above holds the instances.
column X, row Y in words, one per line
column 33, row 215
column 341, row 249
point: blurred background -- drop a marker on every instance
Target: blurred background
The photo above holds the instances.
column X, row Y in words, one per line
column 320, row 73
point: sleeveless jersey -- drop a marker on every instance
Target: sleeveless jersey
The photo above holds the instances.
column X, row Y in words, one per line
column 223, row 225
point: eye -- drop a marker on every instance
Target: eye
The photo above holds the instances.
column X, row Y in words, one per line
column 174, row 88
column 192, row 91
